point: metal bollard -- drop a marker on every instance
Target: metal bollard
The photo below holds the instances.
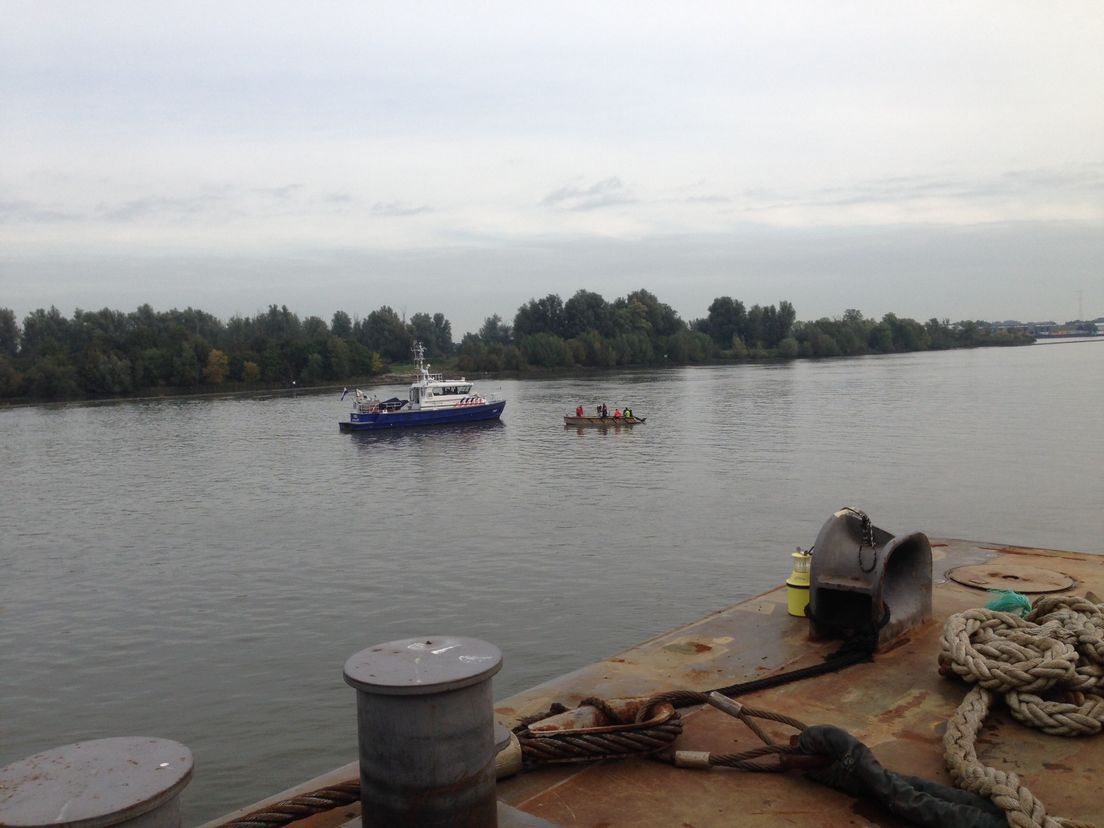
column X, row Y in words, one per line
column 128, row 781
column 425, row 723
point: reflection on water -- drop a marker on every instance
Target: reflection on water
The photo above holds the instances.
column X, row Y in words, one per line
column 201, row 569
column 423, row 437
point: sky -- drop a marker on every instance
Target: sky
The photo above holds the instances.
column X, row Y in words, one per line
column 930, row 159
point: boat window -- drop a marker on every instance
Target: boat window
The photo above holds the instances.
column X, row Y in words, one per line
column 414, row 395
column 463, row 389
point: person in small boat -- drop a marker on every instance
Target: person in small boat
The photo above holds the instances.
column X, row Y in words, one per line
column 605, row 411
column 578, row 411
column 627, row 413
column 617, row 413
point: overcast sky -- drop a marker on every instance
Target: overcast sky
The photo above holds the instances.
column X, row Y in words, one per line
column 931, row 158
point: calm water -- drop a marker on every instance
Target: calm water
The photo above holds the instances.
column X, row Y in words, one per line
column 200, row 570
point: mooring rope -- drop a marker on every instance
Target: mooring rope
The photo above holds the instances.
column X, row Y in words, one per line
column 645, row 739
column 1057, row 649
column 300, row 807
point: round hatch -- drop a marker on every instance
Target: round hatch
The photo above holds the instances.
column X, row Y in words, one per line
column 1010, row 576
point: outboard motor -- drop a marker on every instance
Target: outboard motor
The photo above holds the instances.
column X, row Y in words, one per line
column 866, row 581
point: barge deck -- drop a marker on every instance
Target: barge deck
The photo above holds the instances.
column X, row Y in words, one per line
column 898, row 705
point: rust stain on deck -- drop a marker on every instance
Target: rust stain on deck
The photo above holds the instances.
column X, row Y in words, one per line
column 895, row 713
column 687, row 647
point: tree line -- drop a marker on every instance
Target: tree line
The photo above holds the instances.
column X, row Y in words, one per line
column 108, row 353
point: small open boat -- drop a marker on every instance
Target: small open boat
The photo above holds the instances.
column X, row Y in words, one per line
column 603, row 422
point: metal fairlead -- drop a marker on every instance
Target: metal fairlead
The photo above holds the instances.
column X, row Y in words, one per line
column 866, row 582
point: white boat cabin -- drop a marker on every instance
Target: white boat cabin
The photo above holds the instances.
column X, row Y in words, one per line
column 439, row 393
column 429, row 391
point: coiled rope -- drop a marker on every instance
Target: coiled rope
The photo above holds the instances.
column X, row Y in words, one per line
column 1057, row 650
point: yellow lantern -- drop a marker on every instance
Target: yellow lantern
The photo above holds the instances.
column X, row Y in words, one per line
column 797, row 586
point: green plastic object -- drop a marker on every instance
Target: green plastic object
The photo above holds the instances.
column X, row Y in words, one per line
column 1007, row 600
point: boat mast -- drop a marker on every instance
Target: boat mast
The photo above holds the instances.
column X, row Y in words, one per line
column 419, row 360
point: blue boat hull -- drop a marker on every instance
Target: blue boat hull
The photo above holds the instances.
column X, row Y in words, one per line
column 408, row 419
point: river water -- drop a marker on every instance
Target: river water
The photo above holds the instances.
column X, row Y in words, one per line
column 201, row 569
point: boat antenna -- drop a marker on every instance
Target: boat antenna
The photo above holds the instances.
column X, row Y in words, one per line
column 419, row 357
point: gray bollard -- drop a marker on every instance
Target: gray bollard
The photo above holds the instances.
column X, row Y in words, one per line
column 129, row 781
column 425, row 723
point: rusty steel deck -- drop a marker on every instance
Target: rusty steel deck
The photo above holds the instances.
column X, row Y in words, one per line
column 898, row 705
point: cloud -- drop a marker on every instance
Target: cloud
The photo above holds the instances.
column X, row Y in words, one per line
column 281, row 193
column 1084, row 180
column 29, row 212
column 398, row 208
column 708, row 199
column 608, row 192
column 159, row 207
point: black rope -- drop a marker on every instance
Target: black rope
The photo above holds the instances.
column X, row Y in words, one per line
column 857, row 648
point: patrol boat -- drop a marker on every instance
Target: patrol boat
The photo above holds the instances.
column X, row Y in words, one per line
column 432, row 400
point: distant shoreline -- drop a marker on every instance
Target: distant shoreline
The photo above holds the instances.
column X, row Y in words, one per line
column 1066, row 340
column 406, row 377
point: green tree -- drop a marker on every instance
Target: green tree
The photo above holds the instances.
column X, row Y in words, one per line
column 546, row 350
column 662, row 320
column 337, row 357
column 540, row 316
column 315, row 369
column 251, row 372
column 881, row 338
column 592, row 349
column 185, row 366
column 341, row 325
column 727, row 318
column 315, row 329
column 279, row 324
column 494, row 332
column 218, row 367
column 53, row 377
column 274, row 364
column 435, row 332
column 9, row 333
column 781, row 324
column 384, row 333
column 45, row 332
column 788, row 348
column 907, row 334
column 442, row 329
column 587, row 311
column 939, row 334
column 153, row 366
column 11, row 381
column 105, row 373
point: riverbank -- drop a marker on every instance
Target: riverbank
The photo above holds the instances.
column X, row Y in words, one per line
column 404, row 375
